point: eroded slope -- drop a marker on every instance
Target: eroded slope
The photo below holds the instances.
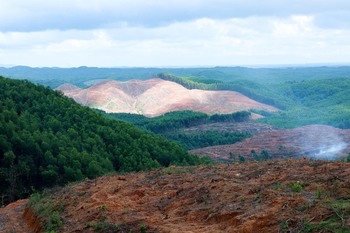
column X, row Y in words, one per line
column 271, row 196
column 155, row 97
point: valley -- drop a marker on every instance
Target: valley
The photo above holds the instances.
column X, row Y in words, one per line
column 174, row 116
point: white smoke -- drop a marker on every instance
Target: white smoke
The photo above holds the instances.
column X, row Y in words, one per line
column 322, row 142
column 331, row 152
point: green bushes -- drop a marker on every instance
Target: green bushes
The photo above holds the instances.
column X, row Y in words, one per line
column 296, row 187
column 48, row 212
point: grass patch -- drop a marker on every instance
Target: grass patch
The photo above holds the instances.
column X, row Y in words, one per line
column 296, row 187
column 47, row 211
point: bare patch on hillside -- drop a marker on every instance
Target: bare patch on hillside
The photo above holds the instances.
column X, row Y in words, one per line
column 155, row 97
column 234, row 127
column 270, row 196
column 313, row 141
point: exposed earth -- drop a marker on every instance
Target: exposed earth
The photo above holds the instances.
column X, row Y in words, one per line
column 12, row 220
column 234, row 127
column 291, row 195
column 313, row 141
column 155, row 97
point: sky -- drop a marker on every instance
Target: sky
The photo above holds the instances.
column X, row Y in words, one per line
column 173, row 33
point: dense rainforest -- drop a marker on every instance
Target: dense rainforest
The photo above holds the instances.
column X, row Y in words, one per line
column 172, row 126
column 47, row 139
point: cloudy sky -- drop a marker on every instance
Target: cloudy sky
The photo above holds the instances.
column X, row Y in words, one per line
column 173, row 33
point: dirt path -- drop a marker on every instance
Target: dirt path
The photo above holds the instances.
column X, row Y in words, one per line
column 11, row 218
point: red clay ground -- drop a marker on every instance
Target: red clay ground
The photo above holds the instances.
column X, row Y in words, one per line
column 11, row 218
column 270, row 196
column 155, row 97
column 311, row 141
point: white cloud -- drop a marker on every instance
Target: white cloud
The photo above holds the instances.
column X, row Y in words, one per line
column 297, row 26
column 38, row 15
column 235, row 41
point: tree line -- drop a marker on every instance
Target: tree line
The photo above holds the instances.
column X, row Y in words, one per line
column 172, row 126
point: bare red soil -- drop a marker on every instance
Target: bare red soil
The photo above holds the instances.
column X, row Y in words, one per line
column 12, row 220
column 155, row 97
column 314, row 141
column 238, row 197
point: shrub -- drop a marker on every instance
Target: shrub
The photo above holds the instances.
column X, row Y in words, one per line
column 296, row 187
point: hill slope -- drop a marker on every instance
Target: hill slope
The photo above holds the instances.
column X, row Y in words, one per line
column 155, row 97
column 321, row 101
column 47, row 139
column 312, row 196
column 315, row 141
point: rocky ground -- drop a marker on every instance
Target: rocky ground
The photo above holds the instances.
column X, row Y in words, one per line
column 272, row 196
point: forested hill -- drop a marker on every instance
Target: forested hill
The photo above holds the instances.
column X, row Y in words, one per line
column 48, row 139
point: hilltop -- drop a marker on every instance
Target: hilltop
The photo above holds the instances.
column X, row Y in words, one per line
column 272, row 196
column 155, row 97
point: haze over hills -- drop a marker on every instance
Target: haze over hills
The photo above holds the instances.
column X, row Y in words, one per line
column 155, row 97
column 55, row 140
column 313, row 141
column 81, row 76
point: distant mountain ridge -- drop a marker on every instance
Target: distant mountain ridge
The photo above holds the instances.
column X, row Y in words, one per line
column 154, row 97
column 55, row 76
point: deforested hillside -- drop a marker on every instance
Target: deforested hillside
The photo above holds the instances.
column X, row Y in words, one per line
column 313, row 141
column 272, row 196
column 155, row 97
column 47, row 139
column 301, row 102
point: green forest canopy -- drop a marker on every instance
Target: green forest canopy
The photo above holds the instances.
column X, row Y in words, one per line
column 48, row 139
column 171, row 126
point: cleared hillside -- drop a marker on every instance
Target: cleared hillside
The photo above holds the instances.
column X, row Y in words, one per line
column 314, row 141
column 155, row 97
column 271, row 196
column 235, row 127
